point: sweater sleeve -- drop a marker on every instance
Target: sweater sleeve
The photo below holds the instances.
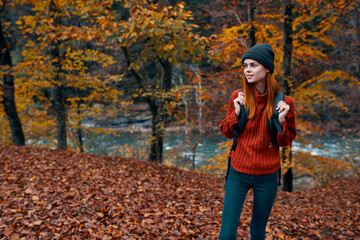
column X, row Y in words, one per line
column 289, row 127
column 227, row 124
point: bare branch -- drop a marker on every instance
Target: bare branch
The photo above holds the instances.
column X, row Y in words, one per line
column 237, row 16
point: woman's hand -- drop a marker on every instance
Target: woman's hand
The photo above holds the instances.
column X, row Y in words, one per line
column 237, row 102
column 283, row 109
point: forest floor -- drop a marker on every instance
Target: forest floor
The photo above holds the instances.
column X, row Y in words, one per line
column 55, row 194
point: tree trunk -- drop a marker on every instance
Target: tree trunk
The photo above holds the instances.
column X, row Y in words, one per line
column 251, row 16
column 357, row 40
column 9, row 94
column 78, row 129
column 58, row 95
column 158, row 133
column 287, row 35
column 58, row 89
column 199, row 101
column 160, row 114
column 59, row 106
column 286, row 163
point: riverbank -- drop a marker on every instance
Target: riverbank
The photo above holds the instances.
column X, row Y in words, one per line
column 54, row 194
column 186, row 149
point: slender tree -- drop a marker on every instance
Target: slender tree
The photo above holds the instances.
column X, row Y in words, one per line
column 251, row 7
column 286, row 66
column 58, row 91
column 357, row 38
column 288, row 45
column 9, row 89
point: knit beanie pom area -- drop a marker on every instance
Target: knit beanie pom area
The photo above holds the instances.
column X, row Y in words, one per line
column 262, row 53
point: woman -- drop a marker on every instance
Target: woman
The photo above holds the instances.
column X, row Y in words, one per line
column 254, row 163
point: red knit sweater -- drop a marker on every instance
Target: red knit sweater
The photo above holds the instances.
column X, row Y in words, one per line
column 252, row 154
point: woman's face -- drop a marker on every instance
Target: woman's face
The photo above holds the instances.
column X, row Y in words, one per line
column 254, row 71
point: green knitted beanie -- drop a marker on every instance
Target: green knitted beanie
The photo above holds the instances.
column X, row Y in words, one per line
column 262, row 53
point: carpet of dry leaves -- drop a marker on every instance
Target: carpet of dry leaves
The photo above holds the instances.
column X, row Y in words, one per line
column 54, row 194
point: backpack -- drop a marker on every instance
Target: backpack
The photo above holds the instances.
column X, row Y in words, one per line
column 274, row 128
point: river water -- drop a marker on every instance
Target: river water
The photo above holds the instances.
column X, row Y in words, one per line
column 138, row 143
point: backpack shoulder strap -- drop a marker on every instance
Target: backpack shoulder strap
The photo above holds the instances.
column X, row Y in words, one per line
column 280, row 96
column 243, row 119
column 274, row 126
column 273, row 123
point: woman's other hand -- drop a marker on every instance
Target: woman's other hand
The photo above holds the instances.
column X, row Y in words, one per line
column 283, row 109
column 237, row 102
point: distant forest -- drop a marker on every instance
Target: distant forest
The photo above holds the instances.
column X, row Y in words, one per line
column 66, row 63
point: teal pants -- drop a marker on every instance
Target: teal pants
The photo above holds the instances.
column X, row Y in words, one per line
column 236, row 188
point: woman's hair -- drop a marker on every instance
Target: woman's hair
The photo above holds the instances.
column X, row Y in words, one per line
column 272, row 87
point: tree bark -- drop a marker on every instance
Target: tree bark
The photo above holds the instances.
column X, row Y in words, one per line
column 251, row 16
column 357, row 40
column 9, row 93
column 160, row 113
column 58, row 89
column 79, row 137
column 288, row 175
column 78, row 124
column 287, row 36
column 158, row 133
column 287, row 39
column 59, row 106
